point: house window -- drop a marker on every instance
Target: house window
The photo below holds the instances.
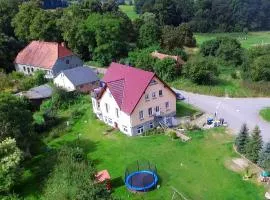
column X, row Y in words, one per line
column 153, row 82
column 141, row 114
column 167, row 105
column 32, row 69
column 150, row 112
column 107, row 107
column 157, row 109
column 151, row 125
column 67, row 62
column 110, row 120
column 24, row 68
column 153, row 95
column 147, row 97
column 140, row 129
column 98, row 105
column 28, row 70
column 125, row 129
column 160, row 93
column 117, row 112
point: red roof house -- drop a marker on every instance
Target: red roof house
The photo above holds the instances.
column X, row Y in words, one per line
column 131, row 97
column 51, row 57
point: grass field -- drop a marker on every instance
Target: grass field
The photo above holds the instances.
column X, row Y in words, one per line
column 265, row 114
column 183, row 109
column 129, row 10
column 196, row 169
column 247, row 41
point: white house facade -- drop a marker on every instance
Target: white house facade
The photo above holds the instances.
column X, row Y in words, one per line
column 143, row 103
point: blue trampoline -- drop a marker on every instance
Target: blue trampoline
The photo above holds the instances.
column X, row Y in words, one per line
column 141, row 177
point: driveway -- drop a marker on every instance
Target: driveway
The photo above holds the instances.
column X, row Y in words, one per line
column 235, row 111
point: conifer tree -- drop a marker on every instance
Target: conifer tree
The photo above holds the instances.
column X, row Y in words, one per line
column 264, row 157
column 254, row 145
column 242, row 139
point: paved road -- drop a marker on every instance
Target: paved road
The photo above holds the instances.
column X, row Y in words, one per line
column 235, row 111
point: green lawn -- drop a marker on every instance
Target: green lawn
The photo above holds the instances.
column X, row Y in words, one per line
column 183, row 109
column 252, row 39
column 265, row 114
column 129, row 10
column 196, row 169
column 225, row 86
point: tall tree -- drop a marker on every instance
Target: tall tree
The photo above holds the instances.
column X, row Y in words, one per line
column 7, row 10
column 149, row 35
column 254, row 145
column 9, row 47
column 10, row 158
column 24, row 18
column 264, row 157
column 166, row 69
column 242, row 139
column 12, row 110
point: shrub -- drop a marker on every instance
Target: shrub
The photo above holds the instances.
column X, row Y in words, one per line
column 173, row 135
column 260, row 69
column 201, row 70
column 166, row 69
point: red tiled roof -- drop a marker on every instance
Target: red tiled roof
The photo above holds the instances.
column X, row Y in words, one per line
column 127, row 85
column 42, row 54
column 162, row 56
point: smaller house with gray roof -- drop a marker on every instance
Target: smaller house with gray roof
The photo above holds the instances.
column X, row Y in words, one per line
column 82, row 79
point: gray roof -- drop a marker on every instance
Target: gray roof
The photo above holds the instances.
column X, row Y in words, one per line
column 81, row 75
column 40, row 92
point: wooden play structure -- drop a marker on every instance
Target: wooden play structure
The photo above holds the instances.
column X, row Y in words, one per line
column 104, row 177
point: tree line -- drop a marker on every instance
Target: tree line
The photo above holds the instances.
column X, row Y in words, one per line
column 210, row 15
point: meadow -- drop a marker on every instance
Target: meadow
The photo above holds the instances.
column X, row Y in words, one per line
column 129, row 10
column 247, row 40
column 196, row 169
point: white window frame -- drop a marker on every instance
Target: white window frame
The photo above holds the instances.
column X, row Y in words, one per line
column 154, row 95
column 141, row 115
column 147, row 97
column 117, row 112
column 140, row 129
column 151, row 125
column 157, row 109
column 161, row 93
column 167, row 105
column 107, row 107
column 150, row 113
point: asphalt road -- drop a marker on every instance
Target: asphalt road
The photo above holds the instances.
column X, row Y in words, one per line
column 235, row 111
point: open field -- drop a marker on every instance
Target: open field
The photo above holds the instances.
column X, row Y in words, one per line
column 196, row 169
column 265, row 113
column 129, row 10
column 247, row 41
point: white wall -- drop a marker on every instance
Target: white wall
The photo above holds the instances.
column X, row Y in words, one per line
column 63, row 82
column 29, row 70
column 110, row 117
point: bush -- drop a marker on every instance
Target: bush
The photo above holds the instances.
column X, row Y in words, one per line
column 173, row 135
column 234, row 75
column 201, row 70
column 226, row 48
column 73, row 177
column 260, row 69
column 166, row 69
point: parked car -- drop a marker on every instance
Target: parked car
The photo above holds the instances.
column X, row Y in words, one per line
column 179, row 96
